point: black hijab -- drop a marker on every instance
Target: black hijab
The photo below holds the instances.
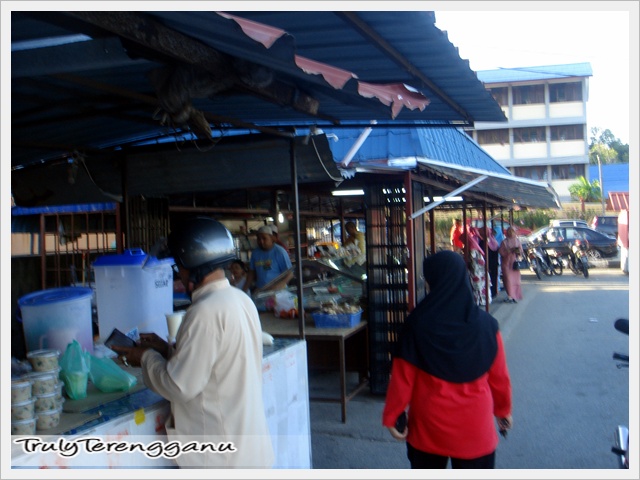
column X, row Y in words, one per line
column 447, row 335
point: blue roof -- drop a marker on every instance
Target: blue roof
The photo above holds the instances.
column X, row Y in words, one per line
column 393, row 145
column 79, row 208
column 615, row 177
column 546, row 72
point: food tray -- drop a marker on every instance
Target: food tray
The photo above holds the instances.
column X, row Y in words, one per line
column 336, row 320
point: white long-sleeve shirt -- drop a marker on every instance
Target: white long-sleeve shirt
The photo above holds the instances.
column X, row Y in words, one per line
column 214, row 380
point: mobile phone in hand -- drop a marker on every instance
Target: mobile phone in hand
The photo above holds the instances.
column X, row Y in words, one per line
column 401, row 422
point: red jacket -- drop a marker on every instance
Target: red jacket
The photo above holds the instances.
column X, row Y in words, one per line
column 450, row 419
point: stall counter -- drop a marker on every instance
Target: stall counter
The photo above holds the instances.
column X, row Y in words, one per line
column 138, row 418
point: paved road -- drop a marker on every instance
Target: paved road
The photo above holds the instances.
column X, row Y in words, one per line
column 568, row 393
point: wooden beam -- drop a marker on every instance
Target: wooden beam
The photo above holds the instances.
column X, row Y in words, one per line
column 155, row 36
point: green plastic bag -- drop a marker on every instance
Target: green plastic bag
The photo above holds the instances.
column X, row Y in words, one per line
column 107, row 375
column 74, row 371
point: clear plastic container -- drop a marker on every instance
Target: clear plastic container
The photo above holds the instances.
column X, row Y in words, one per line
column 53, row 318
column 48, row 419
column 44, row 382
column 23, row 410
column 44, row 360
column 46, row 402
column 21, row 390
column 24, row 427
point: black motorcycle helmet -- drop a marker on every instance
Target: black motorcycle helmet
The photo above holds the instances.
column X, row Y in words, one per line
column 201, row 245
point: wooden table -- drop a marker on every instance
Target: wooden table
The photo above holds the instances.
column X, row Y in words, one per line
column 281, row 327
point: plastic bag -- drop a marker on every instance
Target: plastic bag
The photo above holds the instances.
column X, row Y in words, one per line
column 74, row 371
column 107, row 375
column 286, row 305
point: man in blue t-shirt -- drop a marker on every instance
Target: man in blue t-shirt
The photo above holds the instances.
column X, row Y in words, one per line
column 268, row 262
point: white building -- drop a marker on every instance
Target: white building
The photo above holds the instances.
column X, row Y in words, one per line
column 546, row 135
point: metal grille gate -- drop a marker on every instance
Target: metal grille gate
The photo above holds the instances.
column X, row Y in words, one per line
column 387, row 282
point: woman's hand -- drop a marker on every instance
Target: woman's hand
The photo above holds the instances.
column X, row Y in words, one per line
column 397, row 435
column 505, row 424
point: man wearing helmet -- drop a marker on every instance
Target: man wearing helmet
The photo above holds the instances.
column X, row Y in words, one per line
column 213, row 378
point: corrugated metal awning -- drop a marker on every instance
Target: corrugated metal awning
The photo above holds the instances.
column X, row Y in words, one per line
column 81, row 80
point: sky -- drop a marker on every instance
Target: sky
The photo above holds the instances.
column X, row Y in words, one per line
column 498, row 36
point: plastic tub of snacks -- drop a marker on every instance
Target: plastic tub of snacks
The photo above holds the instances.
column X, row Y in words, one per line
column 48, row 419
column 44, row 360
column 46, row 402
column 23, row 427
column 23, row 410
column 20, row 390
column 45, row 382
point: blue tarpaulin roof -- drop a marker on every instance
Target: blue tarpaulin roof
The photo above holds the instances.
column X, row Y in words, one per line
column 615, row 177
column 546, row 72
column 80, row 208
column 448, row 153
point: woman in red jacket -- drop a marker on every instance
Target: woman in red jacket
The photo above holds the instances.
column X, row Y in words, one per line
column 450, row 371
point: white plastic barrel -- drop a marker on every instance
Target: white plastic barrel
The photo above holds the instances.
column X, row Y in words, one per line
column 133, row 290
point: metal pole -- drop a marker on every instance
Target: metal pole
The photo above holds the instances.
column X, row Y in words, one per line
column 601, row 187
column 298, row 249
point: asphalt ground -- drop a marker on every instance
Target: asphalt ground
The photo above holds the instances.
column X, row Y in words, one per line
column 362, row 442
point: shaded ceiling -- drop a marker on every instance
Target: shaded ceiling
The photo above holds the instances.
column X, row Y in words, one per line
column 97, row 81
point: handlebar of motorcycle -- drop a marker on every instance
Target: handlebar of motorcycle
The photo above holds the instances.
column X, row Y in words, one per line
column 622, row 325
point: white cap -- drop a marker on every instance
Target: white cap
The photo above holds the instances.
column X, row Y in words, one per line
column 265, row 229
column 274, row 228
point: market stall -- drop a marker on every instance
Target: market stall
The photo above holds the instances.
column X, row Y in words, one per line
column 121, row 419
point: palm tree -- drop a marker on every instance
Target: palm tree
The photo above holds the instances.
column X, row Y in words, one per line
column 585, row 191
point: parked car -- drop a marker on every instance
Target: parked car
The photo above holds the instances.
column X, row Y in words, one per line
column 606, row 224
column 560, row 238
column 497, row 221
column 563, row 222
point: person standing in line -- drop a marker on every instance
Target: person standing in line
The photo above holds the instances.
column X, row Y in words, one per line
column 510, row 253
column 477, row 273
column 213, row 377
column 450, row 371
column 454, row 236
column 268, row 262
column 487, row 238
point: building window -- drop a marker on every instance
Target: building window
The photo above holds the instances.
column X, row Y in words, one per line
column 538, row 172
column 528, row 94
column 566, row 132
column 566, row 172
column 492, row 137
column 501, row 95
column 529, row 135
column 565, row 92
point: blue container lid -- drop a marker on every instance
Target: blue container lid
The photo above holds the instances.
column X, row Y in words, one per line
column 54, row 295
column 132, row 258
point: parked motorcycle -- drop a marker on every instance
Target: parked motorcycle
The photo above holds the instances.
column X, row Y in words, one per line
column 537, row 260
column 621, row 434
column 578, row 260
column 549, row 257
column 554, row 259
